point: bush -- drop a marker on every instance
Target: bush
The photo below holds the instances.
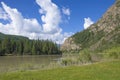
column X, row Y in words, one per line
column 70, row 59
column 66, row 62
column 112, row 53
column 85, row 56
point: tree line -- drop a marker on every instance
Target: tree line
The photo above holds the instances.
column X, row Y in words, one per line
column 10, row 46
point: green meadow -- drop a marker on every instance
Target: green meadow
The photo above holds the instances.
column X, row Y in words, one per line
column 109, row 70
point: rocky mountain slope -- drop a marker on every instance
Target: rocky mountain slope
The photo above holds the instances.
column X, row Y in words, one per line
column 104, row 34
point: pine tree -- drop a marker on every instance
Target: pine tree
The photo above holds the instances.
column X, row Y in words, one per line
column 20, row 48
column 33, row 50
column 6, row 45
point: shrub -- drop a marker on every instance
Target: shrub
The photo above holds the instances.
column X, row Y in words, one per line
column 85, row 56
column 112, row 53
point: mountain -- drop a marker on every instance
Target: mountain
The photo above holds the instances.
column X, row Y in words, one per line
column 102, row 35
column 2, row 36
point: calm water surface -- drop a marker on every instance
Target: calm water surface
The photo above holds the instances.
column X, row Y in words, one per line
column 9, row 62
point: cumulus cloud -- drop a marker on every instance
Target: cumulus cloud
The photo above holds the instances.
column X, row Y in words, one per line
column 87, row 22
column 50, row 16
column 18, row 25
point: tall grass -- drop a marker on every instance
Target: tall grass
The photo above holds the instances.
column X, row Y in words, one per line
column 99, row 71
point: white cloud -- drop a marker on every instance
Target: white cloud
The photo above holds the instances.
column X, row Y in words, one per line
column 87, row 22
column 18, row 25
column 50, row 16
column 66, row 11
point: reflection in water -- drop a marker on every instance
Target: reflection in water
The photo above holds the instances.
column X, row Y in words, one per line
column 12, row 62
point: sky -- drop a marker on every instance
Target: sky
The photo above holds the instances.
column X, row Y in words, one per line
column 55, row 20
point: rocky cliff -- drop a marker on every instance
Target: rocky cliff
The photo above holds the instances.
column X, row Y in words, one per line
column 69, row 45
column 99, row 36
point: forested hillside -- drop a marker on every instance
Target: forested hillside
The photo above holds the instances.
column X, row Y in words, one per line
column 18, row 45
column 103, row 35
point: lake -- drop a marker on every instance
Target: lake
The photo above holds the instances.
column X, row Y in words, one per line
column 12, row 63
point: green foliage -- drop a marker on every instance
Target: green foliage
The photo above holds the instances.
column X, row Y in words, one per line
column 85, row 56
column 83, row 37
column 100, row 71
column 3, row 36
column 87, row 38
column 66, row 62
column 22, row 46
column 33, row 50
column 113, row 52
column 97, row 41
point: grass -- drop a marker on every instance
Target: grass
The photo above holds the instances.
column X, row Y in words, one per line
column 99, row 71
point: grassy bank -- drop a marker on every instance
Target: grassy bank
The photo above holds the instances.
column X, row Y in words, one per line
column 98, row 71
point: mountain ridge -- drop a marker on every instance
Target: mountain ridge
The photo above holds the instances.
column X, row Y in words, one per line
column 16, row 37
column 104, row 34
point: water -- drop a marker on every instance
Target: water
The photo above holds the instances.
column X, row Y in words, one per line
column 9, row 63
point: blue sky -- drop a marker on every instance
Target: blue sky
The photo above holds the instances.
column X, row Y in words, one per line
column 49, row 19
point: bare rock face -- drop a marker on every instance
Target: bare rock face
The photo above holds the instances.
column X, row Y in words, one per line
column 109, row 21
column 69, row 45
